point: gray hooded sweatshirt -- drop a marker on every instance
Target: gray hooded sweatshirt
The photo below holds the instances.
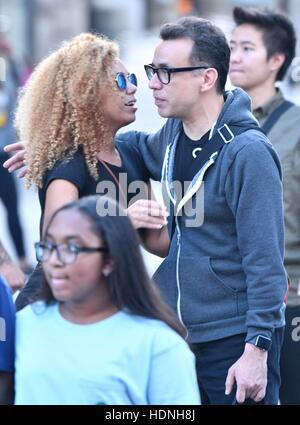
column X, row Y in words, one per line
column 224, row 272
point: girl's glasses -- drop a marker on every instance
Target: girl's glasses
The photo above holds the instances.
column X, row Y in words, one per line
column 66, row 253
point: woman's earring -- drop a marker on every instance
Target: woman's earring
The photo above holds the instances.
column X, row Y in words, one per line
column 106, row 273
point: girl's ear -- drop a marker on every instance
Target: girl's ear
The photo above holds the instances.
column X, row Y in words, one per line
column 108, row 267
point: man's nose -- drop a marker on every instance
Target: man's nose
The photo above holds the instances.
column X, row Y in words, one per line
column 235, row 56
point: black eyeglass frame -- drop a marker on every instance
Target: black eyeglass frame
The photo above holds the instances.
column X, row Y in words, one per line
column 170, row 71
column 76, row 250
column 131, row 77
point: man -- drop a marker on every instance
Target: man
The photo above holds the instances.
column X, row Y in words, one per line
column 7, row 324
column 224, row 270
column 10, row 270
column 262, row 48
column 225, row 277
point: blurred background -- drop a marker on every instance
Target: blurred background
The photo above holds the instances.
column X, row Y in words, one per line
column 33, row 28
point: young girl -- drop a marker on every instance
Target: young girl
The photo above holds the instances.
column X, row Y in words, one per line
column 102, row 334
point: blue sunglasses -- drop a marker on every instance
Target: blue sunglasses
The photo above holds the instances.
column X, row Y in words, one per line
column 121, row 80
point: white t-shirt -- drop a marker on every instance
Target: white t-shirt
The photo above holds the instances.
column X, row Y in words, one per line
column 124, row 359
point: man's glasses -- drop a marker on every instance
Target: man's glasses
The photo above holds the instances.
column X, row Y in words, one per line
column 121, row 80
column 164, row 74
column 66, row 253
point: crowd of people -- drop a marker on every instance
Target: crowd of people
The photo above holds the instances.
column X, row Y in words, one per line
column 214, row 326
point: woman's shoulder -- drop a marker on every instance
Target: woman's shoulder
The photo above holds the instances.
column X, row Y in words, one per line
column 73, row 169
column 70, row 164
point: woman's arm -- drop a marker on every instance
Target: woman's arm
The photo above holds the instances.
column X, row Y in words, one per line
column 150, row 219
column 59, row 193
column 156, row 241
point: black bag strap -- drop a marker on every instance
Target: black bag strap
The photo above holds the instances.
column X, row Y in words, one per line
column 223, row 136
column 275, row 115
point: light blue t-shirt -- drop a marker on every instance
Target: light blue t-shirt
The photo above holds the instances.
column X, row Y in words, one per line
column 124, row 359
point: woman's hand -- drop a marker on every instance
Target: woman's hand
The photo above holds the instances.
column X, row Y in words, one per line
column 147, row 214
column 17, row 161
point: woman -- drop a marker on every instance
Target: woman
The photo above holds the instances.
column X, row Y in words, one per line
column 102, row 334
column 69, row 112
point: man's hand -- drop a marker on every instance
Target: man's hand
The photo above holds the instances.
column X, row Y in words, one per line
column 147, row 214
column 13, row 274
column 17, row 161
column 10, row 270
column 250, row 375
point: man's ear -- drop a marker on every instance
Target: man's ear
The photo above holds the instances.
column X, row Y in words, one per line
column 276, row 61
column 209, row 79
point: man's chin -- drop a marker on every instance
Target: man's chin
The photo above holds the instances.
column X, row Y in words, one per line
column 237, row 82
column 164, row 113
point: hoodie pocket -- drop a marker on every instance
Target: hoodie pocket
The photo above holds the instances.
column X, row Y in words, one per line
column 165, row 280
column 204, row 296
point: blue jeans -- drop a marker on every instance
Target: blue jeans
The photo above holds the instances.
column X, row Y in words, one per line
column 214, row 358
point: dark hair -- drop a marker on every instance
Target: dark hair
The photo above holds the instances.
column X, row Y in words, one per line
column 210, row 44
column 129, row 284
column 278, row 33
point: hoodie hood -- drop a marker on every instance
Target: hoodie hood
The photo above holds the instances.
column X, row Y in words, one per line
column 236, row 110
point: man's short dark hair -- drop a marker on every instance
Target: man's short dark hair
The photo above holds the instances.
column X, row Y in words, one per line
column 278, row 33
column 210, row 44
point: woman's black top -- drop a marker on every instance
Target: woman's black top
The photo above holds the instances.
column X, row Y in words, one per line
column 76, row 171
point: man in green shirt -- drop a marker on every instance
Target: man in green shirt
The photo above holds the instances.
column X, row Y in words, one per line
column 262, row 48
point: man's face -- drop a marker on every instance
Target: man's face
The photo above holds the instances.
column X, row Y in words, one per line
column 177, row 98
column 249, row 67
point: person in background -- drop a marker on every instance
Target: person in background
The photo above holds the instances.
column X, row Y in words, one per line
column 262, row 49
column 121, row 343
column 7, row 342
column 8, row 189
column 11, row 270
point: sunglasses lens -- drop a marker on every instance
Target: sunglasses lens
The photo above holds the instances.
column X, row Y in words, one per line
column 121, row 81
column 133, row 80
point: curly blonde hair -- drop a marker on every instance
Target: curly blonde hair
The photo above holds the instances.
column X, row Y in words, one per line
column 59, row 109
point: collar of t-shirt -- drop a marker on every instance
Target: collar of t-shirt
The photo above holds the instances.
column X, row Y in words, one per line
column 187, row 157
